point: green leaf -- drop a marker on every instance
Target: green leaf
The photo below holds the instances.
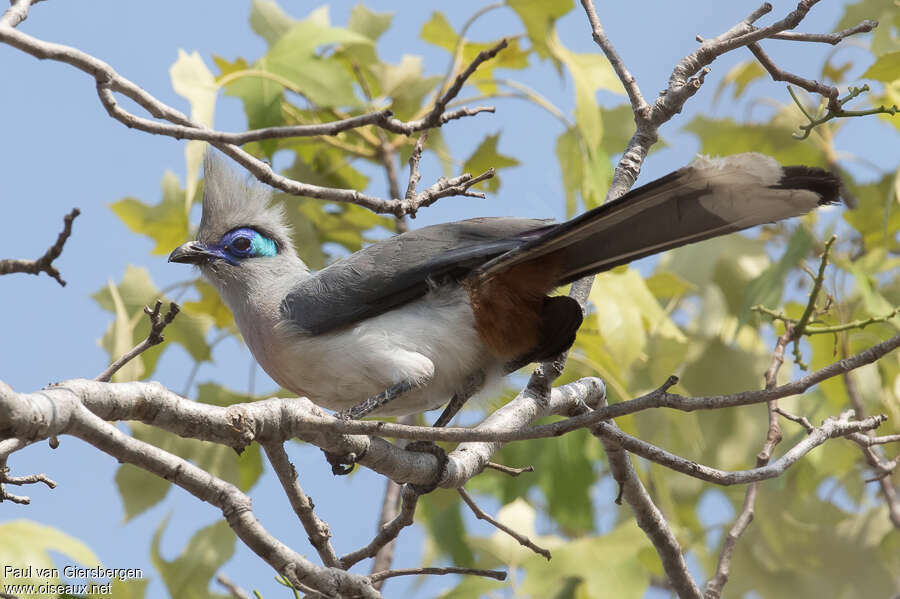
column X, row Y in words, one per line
column 584, row 171
column 501, row 548
column 590, row 73
column 368, row 23
column 538, row 16
column 886, row 68
column 607, row 566
column 27, row 544
column 188, row 576
column 723, row 137
column 766, row 289
column 324, row 80
column 486, row 156
column 884, row 38
column 269, row 20
column 440, row 513
column 438, row 32
column 166, row 223
column 139, row 489
column 406, row 84
column 741, row 75
column 877, row 214
column 192, row 80
column 210, row 304
column 664, row 284
column 729, row 263
column 625, row 312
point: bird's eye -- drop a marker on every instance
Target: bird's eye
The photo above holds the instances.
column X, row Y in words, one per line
column 241, row 244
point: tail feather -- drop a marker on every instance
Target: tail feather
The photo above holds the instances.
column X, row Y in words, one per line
column 708, row 198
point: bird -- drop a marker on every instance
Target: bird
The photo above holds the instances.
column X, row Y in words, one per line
column 432, row 315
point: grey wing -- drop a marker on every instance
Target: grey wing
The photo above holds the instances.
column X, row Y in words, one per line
column 398, row 270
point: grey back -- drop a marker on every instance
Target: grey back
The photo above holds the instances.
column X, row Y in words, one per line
column 390, row 273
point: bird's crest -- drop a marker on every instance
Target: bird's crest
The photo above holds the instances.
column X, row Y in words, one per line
column 231, row 201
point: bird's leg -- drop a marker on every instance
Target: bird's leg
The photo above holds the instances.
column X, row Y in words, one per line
column 363, row 409
column 342, row 465
column 471, row 386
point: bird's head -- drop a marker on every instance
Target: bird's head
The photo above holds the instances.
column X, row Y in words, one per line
column 242, row 236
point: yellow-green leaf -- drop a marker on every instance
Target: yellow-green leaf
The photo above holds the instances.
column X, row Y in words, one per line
column 486, row 156
column 27, row 544
column 166, row 223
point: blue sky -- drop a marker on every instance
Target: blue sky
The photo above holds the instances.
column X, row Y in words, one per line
column 60, row 150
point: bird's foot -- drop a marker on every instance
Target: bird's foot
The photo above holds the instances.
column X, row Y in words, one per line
column 441, row 455
column 342, row 464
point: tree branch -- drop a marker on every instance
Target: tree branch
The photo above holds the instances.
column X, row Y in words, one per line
column 389, row 531
column 481, row 515
column 318, row 531
column 180, row 126
column 45, row 262
column 154, row 337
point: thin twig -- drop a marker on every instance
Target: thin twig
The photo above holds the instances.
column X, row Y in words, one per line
column 714, row 586
column 648, row 517
column 638, row 104
column 235, row 591
column 385, row 574
column 514, row 472
column 45, row 262
column 481, row 515
column 179, row 125
column 317, row 530
column 801, row 420
column 871, row 454
column 388, row 532
column 154, row 337
column 30, row 479
column 390, row 509
column 826, row 38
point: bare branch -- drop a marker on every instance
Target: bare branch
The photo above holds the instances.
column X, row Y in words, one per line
column 481, row 515
column 638, row 104
column 318, row 531
column 647, row 515
column 871, row 454
column 45, row 262
column 827, row 38
column 385, row 574
column 827, row 91
column 235, row 591
column 390, row 509
column 110, row 82
column 389, row 531
column 831, row 428
column 6, row 479
column 686, row 79
column 16, row 13
column 514, row 472
column 234, row 504
column 155, row 337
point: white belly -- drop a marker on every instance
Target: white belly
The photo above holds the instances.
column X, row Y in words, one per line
column 432, row 341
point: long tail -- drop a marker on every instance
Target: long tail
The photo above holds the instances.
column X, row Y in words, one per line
column 707, row 198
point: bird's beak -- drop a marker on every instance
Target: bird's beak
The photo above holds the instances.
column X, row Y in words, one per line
column 192, row 252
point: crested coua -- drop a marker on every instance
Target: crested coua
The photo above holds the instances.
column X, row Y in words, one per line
column 410, row 322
